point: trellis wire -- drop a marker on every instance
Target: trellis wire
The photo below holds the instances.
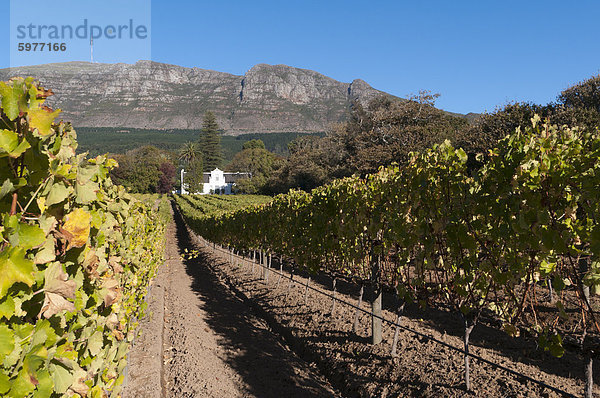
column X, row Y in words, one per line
column 426, row 336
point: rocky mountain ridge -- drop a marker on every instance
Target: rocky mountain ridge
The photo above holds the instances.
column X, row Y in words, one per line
column 267, row 98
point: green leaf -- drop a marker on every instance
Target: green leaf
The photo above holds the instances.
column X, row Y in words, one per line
column 47, row 253
column 14, row 267
column 9, row 140
column 86, row 193
column 462, row 156
column 23, row 385
column 7, row 341
column 45, row 386
column 7, row 307
column 547, row 268
column 62, row 377
column 30, row 236
column 4, row 382
column 7, row 187
column 44, row 334
column 58, row 193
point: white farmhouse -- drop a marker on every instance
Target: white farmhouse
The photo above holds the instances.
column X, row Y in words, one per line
column 217, row 181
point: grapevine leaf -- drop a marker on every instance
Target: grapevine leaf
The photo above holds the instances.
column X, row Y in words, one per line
column 58, row 193
column 57, row 281
column 41, row 119
column 79, row 385
column 30, row 236
column 18, row 151
column 44, row 334
column 7, row 307
column 4, row 382
column 46, row 385
column 7, row 187
column 55, row 303
column 14, row 267
column 9, row 140
column 85, row 193
column 462, row 156
column 110, row 291
column 95, row 343
column 47, row 223
column 22, row 386
column 62, row 377
column 47, row 253
column 13, row 98
column 97, row 392
column 7, row 341
column 77, row 228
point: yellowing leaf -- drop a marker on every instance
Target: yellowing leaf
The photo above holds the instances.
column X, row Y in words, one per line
column 77, row 228
column 41, row 119
column 14, row 267
column 41, row 202
column 13, row 98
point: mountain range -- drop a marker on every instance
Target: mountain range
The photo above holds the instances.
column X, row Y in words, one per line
column 151, row 95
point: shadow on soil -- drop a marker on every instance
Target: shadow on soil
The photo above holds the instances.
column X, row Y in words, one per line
column 259, row 358
column 486, row 334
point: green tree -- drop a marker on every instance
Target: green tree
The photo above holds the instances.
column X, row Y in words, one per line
column 585, row 94
column 254, row 144
column 210, row 142
column 257, row 161
column 389, row 129
column 141, row 169
column 192, row 159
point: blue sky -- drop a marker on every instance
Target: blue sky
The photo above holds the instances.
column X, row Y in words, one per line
column 477, row 54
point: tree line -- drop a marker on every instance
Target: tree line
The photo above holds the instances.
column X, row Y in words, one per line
column 380, row 133
column 151, row 170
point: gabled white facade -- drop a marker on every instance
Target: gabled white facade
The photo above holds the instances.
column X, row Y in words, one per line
column 216, row 183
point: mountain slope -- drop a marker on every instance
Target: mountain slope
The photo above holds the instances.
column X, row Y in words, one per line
column 268, row 98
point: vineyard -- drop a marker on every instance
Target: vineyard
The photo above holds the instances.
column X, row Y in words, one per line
column 516, row 239
column 77, row 254
column 509, row 240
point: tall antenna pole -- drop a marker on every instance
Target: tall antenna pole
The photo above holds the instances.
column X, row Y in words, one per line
column 92, row 48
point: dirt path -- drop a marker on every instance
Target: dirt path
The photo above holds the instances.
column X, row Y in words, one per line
column 212, row 343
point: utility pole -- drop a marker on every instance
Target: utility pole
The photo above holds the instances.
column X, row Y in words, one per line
column 92, row 48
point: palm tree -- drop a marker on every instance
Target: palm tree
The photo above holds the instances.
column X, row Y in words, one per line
column 189, row 152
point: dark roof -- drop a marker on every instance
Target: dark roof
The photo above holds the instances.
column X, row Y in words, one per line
column 233, row 177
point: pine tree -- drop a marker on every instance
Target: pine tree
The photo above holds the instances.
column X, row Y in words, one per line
column 210, row 142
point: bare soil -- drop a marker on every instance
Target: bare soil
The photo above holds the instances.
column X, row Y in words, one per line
column 211, row 343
